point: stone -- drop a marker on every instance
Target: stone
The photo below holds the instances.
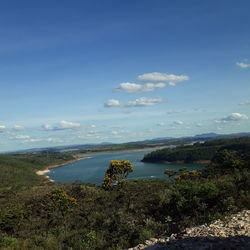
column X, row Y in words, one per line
column 233, row 232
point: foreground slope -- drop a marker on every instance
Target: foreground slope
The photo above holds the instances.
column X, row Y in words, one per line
column 233, row 232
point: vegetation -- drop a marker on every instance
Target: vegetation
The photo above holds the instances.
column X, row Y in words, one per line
column 80, row 216
column 18, row 170
column 132, row 145
column 112, row 148
column 198, row 151
column 116, row 174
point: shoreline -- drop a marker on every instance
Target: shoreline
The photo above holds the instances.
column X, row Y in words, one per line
column 79, row 157
column 201, row 162
column 47, row 169
column 118, row 151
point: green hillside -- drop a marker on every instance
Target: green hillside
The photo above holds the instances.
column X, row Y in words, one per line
column 198, row 151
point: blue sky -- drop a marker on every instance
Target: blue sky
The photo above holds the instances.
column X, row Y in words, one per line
column 91, row 71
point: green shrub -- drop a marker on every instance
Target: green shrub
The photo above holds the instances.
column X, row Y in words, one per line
column 8, row 242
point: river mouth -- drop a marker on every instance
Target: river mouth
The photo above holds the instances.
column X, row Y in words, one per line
column 92, row 169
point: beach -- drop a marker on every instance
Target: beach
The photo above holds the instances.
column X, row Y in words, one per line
column 47, row 169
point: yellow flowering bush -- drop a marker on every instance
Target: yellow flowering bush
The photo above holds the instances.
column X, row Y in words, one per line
column 116, row 173
column 188, row 175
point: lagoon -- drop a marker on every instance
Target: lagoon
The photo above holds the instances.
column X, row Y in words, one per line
column 92, row 169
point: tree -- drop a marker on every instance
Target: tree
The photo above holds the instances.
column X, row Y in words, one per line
column 226, row 159
column 116, row 173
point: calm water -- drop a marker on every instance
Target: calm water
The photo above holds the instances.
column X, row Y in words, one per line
column 92, row 170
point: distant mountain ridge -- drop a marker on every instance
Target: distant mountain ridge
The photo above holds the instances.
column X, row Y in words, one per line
column 208, row 135
column 156, row 141
column 214, row 135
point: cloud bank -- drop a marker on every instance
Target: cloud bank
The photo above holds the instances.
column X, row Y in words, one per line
column 153, row 81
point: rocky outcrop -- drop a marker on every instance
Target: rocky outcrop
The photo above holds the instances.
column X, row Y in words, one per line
column 233, row 232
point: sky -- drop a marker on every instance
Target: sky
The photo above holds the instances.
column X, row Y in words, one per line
column 92, row 71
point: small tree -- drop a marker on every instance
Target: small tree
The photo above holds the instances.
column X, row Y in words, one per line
column 116, row 173
column 61, row 204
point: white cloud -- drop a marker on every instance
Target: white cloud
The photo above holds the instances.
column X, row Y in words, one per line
column 140, row 102
column 2, row 128
column 22, row 137
column 53, row 140
column 243, row 65
column 137, row 88
column 234, row 117
column 159, row 77
column 143, row 102
column 61, row 126
column 81, row 136
column 127, row 112
column 158, row 85
column 31, row 140
column 99, row 137
column 91, row 133
column 35, row 140
column 112, row 103
column 153, row 80
column 48, row 127
column 172, row 84
column 69, row 125
column 116, row 134
column 160, row 124
column 130, row 87
column 245, row 103
column 178, row 122
column 18, row 127
column 172, row 112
